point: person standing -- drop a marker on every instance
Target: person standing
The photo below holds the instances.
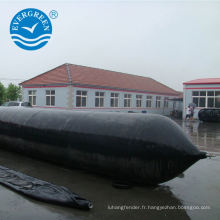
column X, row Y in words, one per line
column 191, row 112
column 188, row 112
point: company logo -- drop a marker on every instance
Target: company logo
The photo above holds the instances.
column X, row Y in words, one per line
column 30, row 29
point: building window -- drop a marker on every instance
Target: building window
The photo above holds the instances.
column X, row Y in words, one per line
column 149, row 102
column 208, row 99
column 158, row 100
column 50, row 97
column 114, row 99
column 138, row 101
column 81, row 98
column 166, row 104
column 32, row 97
column 217, row 99
column 127, row 100
column 99, row 99
column 199, row 98
column 174, row 105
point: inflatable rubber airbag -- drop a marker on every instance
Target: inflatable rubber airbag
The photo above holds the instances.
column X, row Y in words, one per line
column 209, row 115
column 139, row 148
column 41, row 190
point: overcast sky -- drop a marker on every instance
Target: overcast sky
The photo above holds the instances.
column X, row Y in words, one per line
column 170, row 41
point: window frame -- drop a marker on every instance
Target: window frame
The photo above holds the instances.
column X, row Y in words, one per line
column 51, row 97
column 149, row 99
column 32, row 97
column 81, row 97
column 158, row 101
column 100, row 98
column 127, row 100
column 196, row 94
column 114, row 100
column 166, row 102
column 139, row 100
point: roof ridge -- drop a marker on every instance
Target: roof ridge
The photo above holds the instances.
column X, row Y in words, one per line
column 130, row 74
column 110, row 70
column 68, row 72
column 127, row 74
column 139, row 82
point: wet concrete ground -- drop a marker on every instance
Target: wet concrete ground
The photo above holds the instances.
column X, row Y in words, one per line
column 179, row 198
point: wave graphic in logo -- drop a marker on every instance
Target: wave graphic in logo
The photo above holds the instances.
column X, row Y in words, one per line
column 30, row 29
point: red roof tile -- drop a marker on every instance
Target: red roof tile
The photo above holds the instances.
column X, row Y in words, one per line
column 98, row 77
column 203, row 81
column 54, row 76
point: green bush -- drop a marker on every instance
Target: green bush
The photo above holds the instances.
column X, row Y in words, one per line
column 11, row 93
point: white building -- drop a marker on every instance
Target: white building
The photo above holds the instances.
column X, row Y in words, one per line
column 204, row 93
column 84, row 88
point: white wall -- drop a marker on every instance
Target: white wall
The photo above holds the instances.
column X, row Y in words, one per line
column 187, row 95
column 60, row 94
column 107, row 107
column 61, row 100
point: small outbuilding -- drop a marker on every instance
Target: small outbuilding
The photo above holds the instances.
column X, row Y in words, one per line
column 201, row 93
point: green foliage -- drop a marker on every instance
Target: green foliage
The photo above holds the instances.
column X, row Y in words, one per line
column 13, row 92
column 2, row 93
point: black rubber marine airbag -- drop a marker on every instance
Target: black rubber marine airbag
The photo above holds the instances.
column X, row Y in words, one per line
column 139, row 148
column 41, row 190
column 209, row 115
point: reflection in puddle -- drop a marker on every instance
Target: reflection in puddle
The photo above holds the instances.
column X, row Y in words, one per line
column 153, row 203
column 206, row 136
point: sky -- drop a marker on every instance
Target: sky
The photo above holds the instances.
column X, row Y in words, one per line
column 169, row 41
